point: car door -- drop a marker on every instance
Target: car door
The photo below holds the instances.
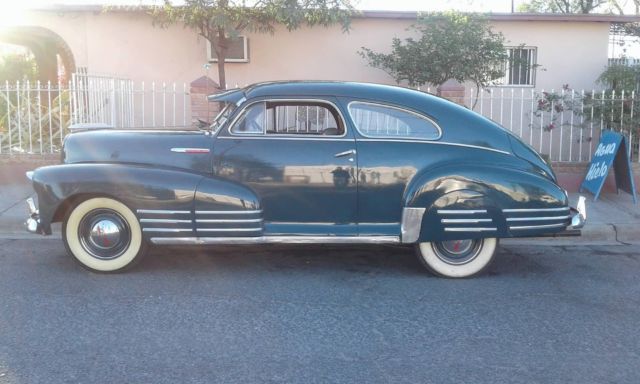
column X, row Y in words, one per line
column 393, row 145
column 299, row 157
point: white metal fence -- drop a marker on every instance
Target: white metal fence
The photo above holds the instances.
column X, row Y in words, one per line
column 122, row 103
column 563, row 124
column 35, row 116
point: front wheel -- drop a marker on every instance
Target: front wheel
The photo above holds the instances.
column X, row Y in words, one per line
column 103, row 235
column 457, row 258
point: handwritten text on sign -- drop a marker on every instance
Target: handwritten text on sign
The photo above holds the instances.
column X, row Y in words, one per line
column 611, row 151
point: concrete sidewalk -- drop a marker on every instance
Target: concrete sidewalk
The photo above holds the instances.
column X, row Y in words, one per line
column 612, row 218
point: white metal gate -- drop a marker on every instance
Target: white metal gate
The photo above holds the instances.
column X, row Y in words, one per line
column 102, row 99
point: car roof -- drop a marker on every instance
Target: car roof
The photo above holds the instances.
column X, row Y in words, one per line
column 431, row 105
column 369, row 91
column 444, row 112
column 332, row 88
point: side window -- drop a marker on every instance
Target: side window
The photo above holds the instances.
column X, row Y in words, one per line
column 289, row 118
column 374, row 120
column 252, row 120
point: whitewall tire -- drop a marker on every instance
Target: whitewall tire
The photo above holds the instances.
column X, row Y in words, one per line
column 103, row 235
column 457, row 258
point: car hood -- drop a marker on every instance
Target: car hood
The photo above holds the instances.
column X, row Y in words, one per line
column 174, row 149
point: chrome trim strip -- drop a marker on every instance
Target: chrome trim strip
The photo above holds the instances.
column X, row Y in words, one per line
column 167, row 230
column 345, row 153
column 282, row 137
column 397, row 108
column 542, row 226
column 325, row 223
column 536, row 209
column 461, row 211
column 440, row 143
column 538, row 218
column 411, row 224
column 190, row 150
column 305, row 223
column 479, row 229
column 465, row 221
column 228, row 229
column 168, row 221
column 278, row 239
column 228, row 220
column 161, row 212
column 276, row 135
column 228, row 212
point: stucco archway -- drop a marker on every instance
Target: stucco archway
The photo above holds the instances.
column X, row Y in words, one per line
column 46, row 46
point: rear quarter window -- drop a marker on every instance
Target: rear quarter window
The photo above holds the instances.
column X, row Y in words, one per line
column 383, row 121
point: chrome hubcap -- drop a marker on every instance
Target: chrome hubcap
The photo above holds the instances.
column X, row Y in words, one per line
column 457, row 247
column 457, row 252
column 104, row 234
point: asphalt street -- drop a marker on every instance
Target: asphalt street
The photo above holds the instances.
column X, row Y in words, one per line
column 320, row 314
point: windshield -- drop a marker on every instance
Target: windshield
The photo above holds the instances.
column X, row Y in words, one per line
column 222, row 117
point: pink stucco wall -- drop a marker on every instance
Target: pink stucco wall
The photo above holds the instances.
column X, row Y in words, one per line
column 127, row 45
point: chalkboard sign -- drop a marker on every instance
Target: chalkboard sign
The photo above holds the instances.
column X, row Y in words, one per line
column 612, row 150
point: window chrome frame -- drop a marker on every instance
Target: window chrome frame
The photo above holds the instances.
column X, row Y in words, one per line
column 402, row 109
column 298, row 136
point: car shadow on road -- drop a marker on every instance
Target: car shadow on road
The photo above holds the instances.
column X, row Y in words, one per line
column 316, row 258
column 388, row 260
column 356, row 259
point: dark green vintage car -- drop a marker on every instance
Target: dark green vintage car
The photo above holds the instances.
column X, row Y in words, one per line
column 305, row 162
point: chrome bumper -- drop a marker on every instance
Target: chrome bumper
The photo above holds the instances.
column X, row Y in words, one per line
column 578, row 214
column 33, row 222
column 578, row 219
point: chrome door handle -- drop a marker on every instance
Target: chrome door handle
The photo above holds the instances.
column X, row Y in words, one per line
column 345, row 153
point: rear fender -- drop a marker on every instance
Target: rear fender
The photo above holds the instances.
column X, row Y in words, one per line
column 476, row 192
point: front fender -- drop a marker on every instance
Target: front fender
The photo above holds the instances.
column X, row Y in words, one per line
column 139, row 187
column 479, row 187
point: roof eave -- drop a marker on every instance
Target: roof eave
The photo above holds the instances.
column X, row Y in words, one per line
column 381, row 14
column 518, row 16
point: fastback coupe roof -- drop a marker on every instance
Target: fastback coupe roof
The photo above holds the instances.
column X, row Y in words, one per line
column 378, row 92
column 459, row 124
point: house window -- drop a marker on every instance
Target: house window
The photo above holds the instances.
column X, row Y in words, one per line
column 238, row 51
column 520, row 67
column 374, row 120
column 297, row 118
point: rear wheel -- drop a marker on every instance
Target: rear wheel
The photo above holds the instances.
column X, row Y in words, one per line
column 103, row 235
column 457, row 258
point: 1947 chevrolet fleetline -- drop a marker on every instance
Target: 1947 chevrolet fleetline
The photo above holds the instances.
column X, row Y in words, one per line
column 305, row 162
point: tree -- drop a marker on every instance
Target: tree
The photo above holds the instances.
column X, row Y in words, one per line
column 451, row 45
column 620, row 77
column 570, row 6
column 18, row 67
column 221, row 21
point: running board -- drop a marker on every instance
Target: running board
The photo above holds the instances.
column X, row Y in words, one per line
column 277, row 240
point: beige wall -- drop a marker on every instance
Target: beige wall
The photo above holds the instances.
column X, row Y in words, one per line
column 573, row 53
column 127, row 45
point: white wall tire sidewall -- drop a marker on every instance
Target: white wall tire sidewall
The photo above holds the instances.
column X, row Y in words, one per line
column 73, row 241
column 474, row 266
